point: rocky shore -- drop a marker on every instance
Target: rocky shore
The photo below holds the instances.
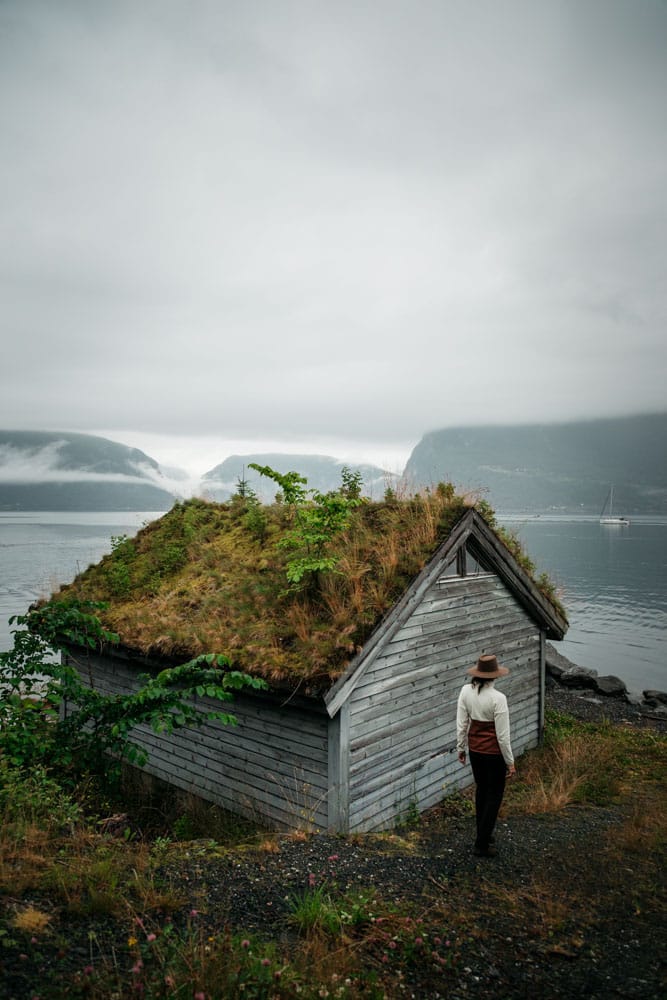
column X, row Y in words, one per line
column 587, row 695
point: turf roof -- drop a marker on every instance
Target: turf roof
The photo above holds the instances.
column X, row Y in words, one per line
column 211, row 578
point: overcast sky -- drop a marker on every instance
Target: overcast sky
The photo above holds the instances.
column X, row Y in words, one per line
column 329, row 226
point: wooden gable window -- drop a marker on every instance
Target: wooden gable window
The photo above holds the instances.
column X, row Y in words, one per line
column 464, row 564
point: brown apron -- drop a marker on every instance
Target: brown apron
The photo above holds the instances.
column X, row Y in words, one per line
column 482, row 737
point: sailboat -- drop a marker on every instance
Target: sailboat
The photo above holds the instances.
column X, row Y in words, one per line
column 607, row 516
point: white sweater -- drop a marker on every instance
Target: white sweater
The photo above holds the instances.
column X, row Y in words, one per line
column 485, row 705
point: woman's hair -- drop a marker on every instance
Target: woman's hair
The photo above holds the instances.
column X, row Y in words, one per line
column 479, row 682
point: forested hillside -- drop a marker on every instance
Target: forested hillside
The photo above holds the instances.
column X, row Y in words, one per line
column 552, row 467
column 43, row 470
column 322, row 472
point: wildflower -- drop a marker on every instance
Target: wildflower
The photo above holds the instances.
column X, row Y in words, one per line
column 333, row 857
column 311, row 879
column 33, row 940
column 277, row 974
column 436, row 941
column 137, row 967
column 266, row 961
column 195, row 913
column 419, row 941
column 200, row 995
column 245, row 943
column 392, row 945
column 131, row 941
column 385, row 958
column 151, row 937
column 88, row 970
column 169, row 981
column 447, row 943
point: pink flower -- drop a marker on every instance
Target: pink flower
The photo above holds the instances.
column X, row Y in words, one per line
column 195, row 913
column 151, row 937
column 266, row 961
column 419, row 941
column 392, row 944
column 385, row 958
column 137, row 967
column 311, row 880
column 437, row 940
column 245, row 943
column 333, row 857
column 200, row 995
column 88, row 970
column 169, row 981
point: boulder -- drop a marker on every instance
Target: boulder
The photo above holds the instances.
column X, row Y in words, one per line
column 634, row 698
column 556, row 663
column 612, row 687
column 655, row 697
column 579, row 677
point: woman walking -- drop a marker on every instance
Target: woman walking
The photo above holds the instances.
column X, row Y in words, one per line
column 483, row 727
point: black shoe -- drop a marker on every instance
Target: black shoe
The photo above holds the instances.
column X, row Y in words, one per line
column 484, row 852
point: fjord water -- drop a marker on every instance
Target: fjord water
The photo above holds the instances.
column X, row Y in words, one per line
column 612, row 579
column 39, row 551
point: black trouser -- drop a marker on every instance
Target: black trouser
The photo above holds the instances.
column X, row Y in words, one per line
column 489, row 770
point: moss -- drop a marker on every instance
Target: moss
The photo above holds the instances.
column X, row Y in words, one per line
column 205, row 578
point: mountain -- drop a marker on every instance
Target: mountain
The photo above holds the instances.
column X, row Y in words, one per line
column 322, row 472
column 42, row 470
column 552, row 467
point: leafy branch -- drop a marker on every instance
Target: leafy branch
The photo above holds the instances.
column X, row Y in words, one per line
column 49, row 717
column 317, row 519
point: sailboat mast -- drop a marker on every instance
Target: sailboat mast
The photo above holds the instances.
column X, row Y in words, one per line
column 610, row 496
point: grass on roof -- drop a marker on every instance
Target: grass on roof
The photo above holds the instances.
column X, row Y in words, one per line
column 210, row 577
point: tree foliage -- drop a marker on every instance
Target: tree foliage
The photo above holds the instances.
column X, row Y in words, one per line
column 317, row 518
column 50, row 718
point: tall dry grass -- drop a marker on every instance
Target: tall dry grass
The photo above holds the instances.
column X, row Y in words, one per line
column 580, row 768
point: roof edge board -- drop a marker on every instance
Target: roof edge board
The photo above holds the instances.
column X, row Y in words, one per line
column 346, row 683
column 507, row 567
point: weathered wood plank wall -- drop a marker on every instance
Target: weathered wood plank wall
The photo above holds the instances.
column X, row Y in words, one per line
column 402, row 724
column 271, row 767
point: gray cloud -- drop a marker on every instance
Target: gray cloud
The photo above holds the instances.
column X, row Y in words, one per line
column 352, row 222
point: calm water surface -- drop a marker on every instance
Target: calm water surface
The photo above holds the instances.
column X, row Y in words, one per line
column 40, row 551
column 612, row 580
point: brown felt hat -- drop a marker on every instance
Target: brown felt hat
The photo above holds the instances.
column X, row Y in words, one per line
column 488, row 666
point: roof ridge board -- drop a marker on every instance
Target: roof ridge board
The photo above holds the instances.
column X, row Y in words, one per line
column 519, row 580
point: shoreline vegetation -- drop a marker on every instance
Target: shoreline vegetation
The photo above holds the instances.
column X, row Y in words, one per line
column 157, row 895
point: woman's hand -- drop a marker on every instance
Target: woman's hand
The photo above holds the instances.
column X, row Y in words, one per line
column 511, row 771
column 462, row 758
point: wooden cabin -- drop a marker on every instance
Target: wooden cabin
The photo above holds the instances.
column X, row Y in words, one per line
column 375, row 740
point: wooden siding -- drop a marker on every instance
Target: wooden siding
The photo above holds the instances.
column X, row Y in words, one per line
column 271, row 767
column 402, row 709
